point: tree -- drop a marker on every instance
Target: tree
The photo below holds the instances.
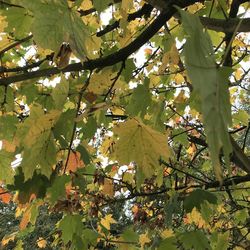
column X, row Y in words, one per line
column 133, row 150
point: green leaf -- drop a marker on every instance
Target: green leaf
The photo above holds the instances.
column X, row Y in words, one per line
column 130, row 235
column 78, row 243
column 7, row 98
column 168, row 243
column 220, row 241
column 54, row 23
column 140, row 100
column 57, row 190
column 60, row 93
column 129, row 67
column 180, row 136
column 241, row 117
column 70, row 225
column 90, row 236
column 39, row 150
column 101, row 5
column 140, row 143
column 6, row 171
column 63, row 128
column 8, row 127
column 89, row 129
column 42, row 156
column 37, row 186
column 196, row 198
column 211, row 84
column 19, row 21
column 85, row 157
column 194, row 240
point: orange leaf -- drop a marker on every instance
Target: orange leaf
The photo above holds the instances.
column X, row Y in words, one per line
column 41, row 242
column 148, row 51
column 5, row 196
column 74, row 161
column 25, row 219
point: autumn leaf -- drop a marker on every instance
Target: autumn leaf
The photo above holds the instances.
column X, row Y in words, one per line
column 140, row 143
column 107, row 221
column 74, row 161
column 5, row 196
column 7, row 238
column 108, row 187
column 144, row 239
column 25, row 219
column 42, row 243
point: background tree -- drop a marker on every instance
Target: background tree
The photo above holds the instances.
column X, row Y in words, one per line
column 120, row 123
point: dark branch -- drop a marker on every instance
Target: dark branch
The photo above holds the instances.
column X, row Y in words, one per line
column 13, row 45
column 144, row 11
column 238, row 157
column 109, row 60
column 226, row 26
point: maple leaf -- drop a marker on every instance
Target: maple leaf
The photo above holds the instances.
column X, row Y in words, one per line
column 41, row 242
column 74, row 161
column 5, row 196
column 142, row 144
column 107, row 221
column 108, row 187
column 143, row 239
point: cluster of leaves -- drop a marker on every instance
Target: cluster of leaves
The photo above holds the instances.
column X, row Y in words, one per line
column 123, row 117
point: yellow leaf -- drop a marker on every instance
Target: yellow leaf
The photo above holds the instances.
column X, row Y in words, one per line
column 100, row 81
column 6, row 239
column 39, row 125
column 167, row 233
column 142, row 144
column 154, row 80
column 238, row 74
column 192, row 149
column 41, row 242
column 143, row 239
column 196, row 218
column 107, row 146
column 93, row 44
column 86, row 5
column 3, row 24
column 107, row 220
column 127, row 4
column 179, row 78
column 4, row 42
column 117, row 111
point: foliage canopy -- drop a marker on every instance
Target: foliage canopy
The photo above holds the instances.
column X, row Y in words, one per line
column 128, row 119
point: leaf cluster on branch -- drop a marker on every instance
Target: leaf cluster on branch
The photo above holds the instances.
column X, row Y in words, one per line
column 128, row 119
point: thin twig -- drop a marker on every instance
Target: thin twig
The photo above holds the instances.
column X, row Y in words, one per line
column 74, row 127
column 115, row 80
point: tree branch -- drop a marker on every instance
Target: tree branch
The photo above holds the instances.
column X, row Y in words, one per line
column 238, row 157
column 109, row 60
column 144, row 11
column 13, row 45
column 226, row 26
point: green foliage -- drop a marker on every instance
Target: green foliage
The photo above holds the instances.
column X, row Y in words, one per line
column 210, row 82
column 196, row 198
column 195, row 239
column 124, row 125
